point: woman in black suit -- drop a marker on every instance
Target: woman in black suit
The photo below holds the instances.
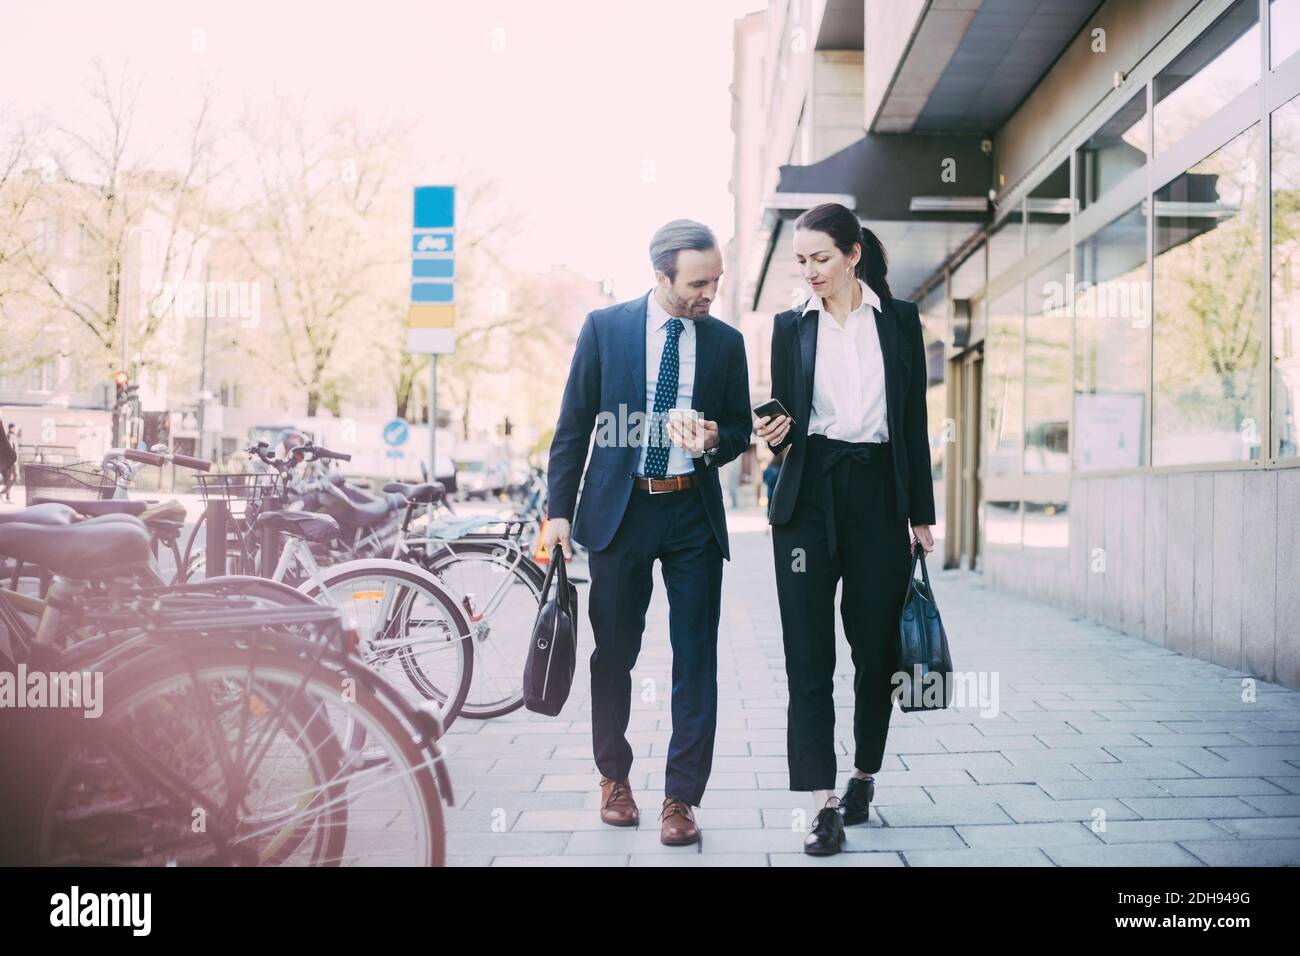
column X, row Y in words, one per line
column 849, row 366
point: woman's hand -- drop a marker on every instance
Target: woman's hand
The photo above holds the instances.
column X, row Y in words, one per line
column 921, row 533
column 772, row 429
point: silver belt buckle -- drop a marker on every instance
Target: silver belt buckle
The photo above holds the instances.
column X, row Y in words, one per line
column 650, row 486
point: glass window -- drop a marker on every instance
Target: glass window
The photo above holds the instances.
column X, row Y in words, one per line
column 1111, row 153
column 1283, row 29
column 1048, row 207
column 934, row 311
column 1004, row 385
column 1286, row 278
column 1047, row 524
column 42, row 377
column 1111, row 334
column 1207, row 404
column 968, row 278
column 1007, row 243
column 1047, row 369
column 1002, row 523
column 1222, row 62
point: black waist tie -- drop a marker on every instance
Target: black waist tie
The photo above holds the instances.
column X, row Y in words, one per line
column 835, row 457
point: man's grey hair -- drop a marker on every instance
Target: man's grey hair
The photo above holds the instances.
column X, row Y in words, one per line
column 673, row 238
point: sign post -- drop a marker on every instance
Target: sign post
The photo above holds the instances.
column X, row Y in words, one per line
column 431, row 319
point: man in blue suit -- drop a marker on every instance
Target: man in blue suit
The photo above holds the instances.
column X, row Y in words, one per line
column 650, row 491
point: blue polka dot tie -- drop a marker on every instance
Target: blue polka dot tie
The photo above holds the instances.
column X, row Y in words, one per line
column 656, row 461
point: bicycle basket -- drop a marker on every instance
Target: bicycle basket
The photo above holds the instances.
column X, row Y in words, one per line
column 239, row 491
column 80, row 480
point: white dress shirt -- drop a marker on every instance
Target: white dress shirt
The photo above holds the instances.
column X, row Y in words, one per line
column 848, row 399
column 656, row 336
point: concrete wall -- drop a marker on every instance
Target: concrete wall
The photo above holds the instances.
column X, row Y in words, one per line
column 1206, row 564
column 887, row 34
column 1079, row 80
column 836, row 96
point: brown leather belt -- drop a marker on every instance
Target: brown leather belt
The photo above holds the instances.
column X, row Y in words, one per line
column 659, row 485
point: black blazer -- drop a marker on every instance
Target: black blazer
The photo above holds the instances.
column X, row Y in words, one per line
column 794, row 361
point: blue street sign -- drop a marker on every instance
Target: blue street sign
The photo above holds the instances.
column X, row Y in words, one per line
column 432, row 268
column 432, row 292
column 431, row 317
column 435, row 207
column 432, row 244
column 396, row 432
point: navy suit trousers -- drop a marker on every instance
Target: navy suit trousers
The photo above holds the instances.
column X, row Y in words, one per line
column 673, row 528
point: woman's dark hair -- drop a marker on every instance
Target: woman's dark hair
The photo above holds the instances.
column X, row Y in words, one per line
column 840, row 223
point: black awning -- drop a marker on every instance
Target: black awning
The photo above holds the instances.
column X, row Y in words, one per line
column 896, row 184
column 886, row 172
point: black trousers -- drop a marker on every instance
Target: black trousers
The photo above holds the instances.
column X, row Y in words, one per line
column 673, row 528
column 872, row 558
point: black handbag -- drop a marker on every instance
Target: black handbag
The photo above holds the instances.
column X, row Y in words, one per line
column 553, row 652
column 923, row 672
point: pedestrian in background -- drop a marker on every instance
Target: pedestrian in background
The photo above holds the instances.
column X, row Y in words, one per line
column 8, row 459
column 770, row 474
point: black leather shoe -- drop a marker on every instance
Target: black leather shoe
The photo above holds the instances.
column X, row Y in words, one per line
column 857, row 800
column 827, row 834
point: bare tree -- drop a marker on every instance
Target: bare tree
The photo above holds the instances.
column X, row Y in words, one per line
column 106, row 211
column 321, row 230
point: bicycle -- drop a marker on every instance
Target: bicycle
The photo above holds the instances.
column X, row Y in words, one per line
column 194, row 673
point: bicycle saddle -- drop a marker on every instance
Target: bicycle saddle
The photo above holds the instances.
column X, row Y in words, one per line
column 429, row 492
column 87, row 549
column 309, row 526
column 93, row 508
column 51, row 513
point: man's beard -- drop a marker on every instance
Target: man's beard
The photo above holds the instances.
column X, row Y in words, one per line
column 680, row 307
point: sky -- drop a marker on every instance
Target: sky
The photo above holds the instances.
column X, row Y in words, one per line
column 601, row 120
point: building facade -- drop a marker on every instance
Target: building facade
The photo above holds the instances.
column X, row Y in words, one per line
column 1095, row 206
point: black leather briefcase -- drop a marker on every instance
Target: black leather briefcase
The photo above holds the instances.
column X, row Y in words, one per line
column 553, row 652
column 923, row 675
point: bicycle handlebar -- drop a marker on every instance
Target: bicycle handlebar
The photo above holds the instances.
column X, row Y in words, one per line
column 313, row 452
column 144, row 457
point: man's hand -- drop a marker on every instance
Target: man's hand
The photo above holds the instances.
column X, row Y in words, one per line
column 695, row 435
column 557, row 531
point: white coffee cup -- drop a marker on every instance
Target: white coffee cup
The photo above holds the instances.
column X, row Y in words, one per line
column 678, row 417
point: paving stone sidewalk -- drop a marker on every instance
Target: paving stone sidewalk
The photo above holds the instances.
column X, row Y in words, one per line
column 1098, row 749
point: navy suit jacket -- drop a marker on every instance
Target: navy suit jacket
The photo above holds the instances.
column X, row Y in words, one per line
column 794, row 363
column 608, row 379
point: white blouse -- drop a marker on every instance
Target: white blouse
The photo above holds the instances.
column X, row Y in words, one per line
column 848, row 399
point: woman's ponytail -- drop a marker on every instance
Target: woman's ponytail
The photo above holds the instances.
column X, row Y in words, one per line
column 874, row 265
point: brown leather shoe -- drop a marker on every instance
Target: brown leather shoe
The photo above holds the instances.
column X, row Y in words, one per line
column 617, row 807
column 677, row 823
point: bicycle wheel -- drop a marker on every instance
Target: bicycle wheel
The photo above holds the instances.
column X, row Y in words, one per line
column 194, row 556
column 98, row 649
column 411, row 630
column 500, row 590
column 225, row 755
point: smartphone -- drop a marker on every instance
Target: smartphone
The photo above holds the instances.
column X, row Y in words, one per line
column 773, row 407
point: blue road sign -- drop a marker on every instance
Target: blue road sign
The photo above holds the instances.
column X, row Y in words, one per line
column 435, row 207
column 430, row 244
column 432, row 268
column 431, row 317
column 397, row 431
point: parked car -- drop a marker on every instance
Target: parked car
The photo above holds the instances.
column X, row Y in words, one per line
column 472, row 478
